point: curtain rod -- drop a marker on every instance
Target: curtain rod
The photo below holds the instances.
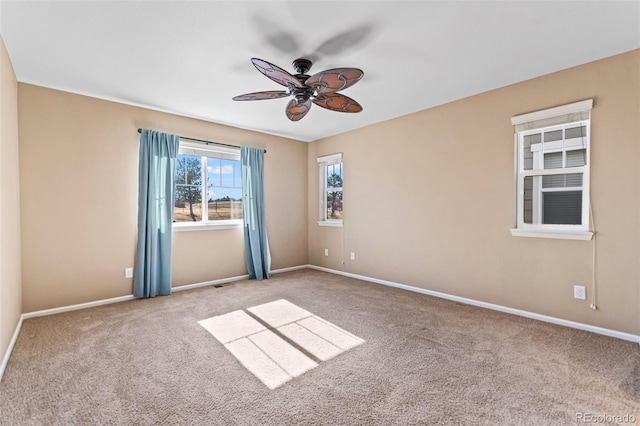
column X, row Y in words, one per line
column 207, row 142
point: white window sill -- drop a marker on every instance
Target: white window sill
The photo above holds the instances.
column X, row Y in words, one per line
column 185, row 226
column 557, row 234
column 330, row 223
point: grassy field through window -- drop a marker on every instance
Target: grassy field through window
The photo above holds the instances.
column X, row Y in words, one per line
column 218, row 210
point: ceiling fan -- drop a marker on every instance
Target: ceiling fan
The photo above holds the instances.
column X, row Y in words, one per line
column 320, row 88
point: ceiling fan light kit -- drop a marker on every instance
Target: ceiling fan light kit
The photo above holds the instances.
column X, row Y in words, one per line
column 320, row 89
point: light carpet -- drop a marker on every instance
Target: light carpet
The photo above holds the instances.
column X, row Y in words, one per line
column 288, row 348
column 422, row 360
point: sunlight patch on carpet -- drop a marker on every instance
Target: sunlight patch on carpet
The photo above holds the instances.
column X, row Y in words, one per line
column 263, row 349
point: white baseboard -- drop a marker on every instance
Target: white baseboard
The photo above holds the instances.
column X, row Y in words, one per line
column 292, row 268
column 545, row 318
column 44, row 312
column 12, row 343
column 232, row 279
column 130, row 296
column 209, row 283
column 79, row 306
column 559, row 321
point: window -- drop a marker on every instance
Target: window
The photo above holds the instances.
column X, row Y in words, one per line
column 331, row 181
column 208, row 187
column 552, row 172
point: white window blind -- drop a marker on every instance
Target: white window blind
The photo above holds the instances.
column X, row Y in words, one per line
column 552, row 170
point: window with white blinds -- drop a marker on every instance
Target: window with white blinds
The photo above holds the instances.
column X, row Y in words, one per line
column 552, row 172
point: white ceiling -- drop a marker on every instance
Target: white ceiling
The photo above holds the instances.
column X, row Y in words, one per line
column 192, row 57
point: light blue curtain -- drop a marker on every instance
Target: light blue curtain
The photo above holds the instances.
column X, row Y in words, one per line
column 156, row 197
column 256, row 246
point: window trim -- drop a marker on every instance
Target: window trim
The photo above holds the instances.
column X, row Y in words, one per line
column 199, row 226
column 205, row 151
column 541, row 121
column 554, row 234
column 323, row 162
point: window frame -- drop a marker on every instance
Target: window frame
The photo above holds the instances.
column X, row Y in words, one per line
column 206, row 151
column 541, row 122
column 323, row 163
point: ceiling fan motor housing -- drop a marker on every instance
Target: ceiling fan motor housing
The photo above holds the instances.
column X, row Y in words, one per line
column 301, row 65
column 302, row 94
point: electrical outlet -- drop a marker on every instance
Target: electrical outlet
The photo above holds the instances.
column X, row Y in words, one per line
column 128, row 273
column 579, row 292
column 353, row 255
column 326, row 252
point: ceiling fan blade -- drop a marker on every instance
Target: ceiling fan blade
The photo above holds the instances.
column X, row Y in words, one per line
column 337, row 102
column 258, row 96
column 335, row 79
column 275, row 73
column 295, row 111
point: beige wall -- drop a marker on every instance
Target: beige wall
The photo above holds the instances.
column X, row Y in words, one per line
column 10, row 274
column 79, row 183
column 446, row 174
column 429, row 200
